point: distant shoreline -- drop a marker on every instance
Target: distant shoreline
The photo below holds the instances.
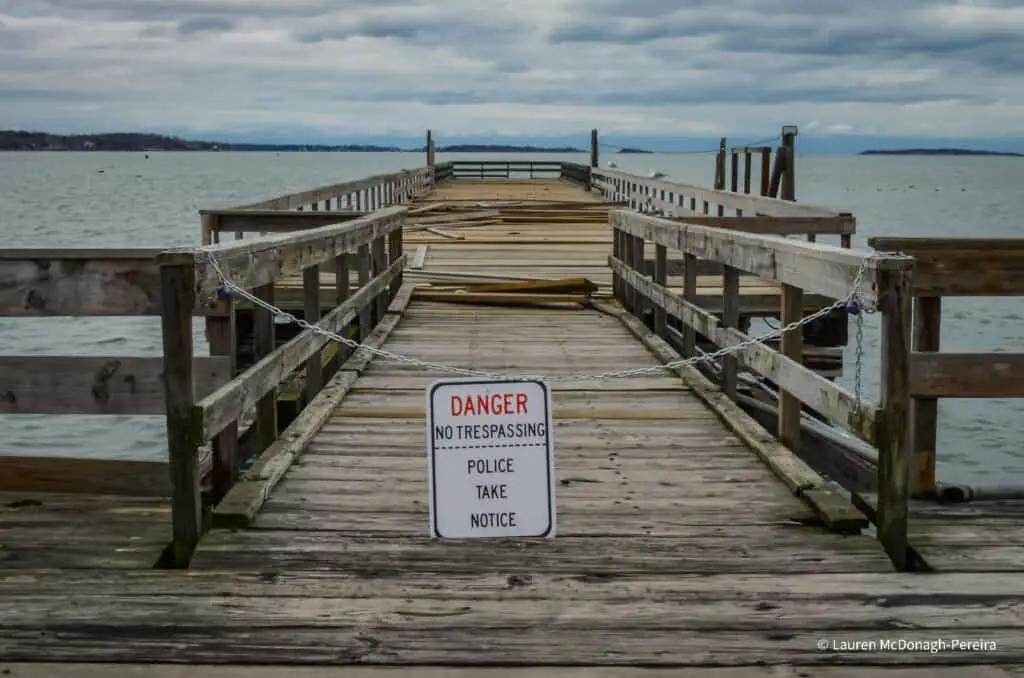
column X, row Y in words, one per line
column 20, row 140
column 940, row 151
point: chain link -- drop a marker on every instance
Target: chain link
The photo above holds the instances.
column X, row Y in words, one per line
column 850, row 303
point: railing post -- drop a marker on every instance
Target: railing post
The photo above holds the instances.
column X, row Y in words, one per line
column 178, row 295
column 363, row 272
column 789, row 169
column 394, row 254
column 893, row 440
column 311, row 311
column 380, row 264
column 221, row 333
column 593, row 148
column 617, row 283
column 730, row 319
column 430, row 148
column 264, row 340
column 661, row 278
column 924, row 411
column 791, row 346
column 690, row 295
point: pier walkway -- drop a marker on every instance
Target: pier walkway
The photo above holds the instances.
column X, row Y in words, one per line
column 688, row 536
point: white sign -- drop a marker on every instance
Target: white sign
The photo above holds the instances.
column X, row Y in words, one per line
column 491, row 459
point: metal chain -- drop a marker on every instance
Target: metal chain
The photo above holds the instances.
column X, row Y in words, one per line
column 850, row 304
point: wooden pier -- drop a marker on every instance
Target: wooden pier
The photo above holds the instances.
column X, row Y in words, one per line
column 287, row 532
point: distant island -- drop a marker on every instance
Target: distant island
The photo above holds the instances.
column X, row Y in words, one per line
column 939, row 151
column 21, row 140
column 634, row 150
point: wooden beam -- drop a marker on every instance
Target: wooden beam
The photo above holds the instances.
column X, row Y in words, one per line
column 893, row 439
column 96, row 385
column 767, row 225
column 420, row 177
column 177, row 283
column 120, row 477
column 817, row 392
column 68, row 282
column 277, row 221
column 813, row 267
column 227, row 403
column 967, row 375
column 251, row 264
column 962, row 266
column 750, row 204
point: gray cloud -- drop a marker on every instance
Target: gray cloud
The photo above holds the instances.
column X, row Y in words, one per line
column 523, row 66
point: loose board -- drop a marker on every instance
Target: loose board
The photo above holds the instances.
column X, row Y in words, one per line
column 490, row 456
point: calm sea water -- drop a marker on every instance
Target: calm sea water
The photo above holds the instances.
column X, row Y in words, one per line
column 125, row 200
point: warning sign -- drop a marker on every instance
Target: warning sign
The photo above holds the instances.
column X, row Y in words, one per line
column 490, row 459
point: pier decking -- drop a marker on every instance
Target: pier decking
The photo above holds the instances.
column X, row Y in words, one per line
column 689, row 537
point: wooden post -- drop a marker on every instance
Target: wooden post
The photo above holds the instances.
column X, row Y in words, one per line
column 690, row 295
column 340, row 295
column 730, row 318
column 263, row 330
column 363, row 271
column 925, row 411
column 766, row 169
column 661, row 278
column 430, row 148
column 734, row 182
column 637, row 264
column 311, row 311
column 747, row 167
column 791, row 345
column 380, row 264
column 221, row 334
column 893, row 438
column 394, row 254
column 593, row 148
column 789, row 168
column 177, row 289
column 627, row 251
column 617, row 253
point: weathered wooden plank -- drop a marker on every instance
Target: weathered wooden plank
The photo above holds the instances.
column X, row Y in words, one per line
column 750, row 204
column 967, row 375
column 89, row 476
column 79, row 282
column 277, row 221
column 274, row 550
column 433, row 616
column 813, row 267
column 961, row 266
column 96, row 385
column 789, row 225
column 124, row 670
column 227, row 403
column 261, row 261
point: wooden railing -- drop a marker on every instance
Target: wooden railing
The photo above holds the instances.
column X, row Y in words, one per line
column 89, row 283
column 496, row 169
column 373, row 243
column 800, row 268
column 954, row 267
column 672, row 199
column 296, row 211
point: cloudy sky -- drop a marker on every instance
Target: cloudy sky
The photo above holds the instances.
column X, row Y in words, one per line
column 315, row 70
